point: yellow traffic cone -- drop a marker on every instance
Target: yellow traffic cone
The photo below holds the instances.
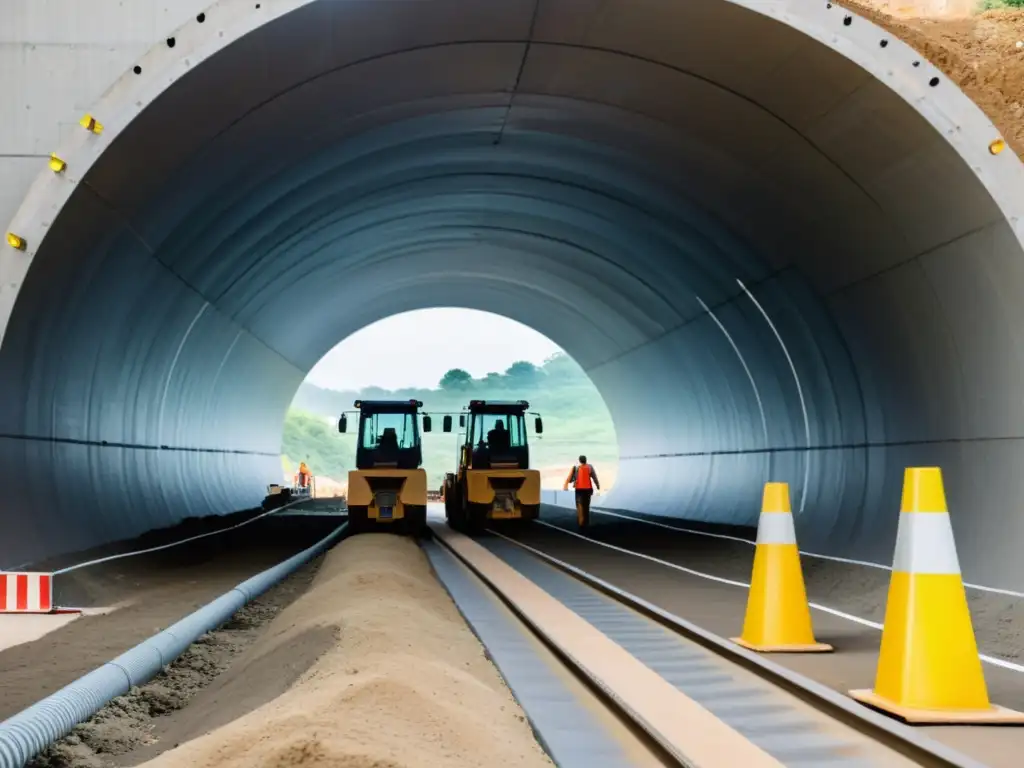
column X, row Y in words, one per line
column 928, row 665
column 778, row 617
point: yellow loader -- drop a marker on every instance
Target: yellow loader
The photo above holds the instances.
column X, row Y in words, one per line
column 388, row 487
column 493, row 480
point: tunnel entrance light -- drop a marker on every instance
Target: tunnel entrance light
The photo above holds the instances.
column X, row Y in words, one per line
column 56, row 164
column 91, row 124
column 16, row 242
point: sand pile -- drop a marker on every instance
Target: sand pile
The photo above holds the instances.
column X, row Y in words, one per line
column 404, row 684
column 121, row 732
column 978, row 53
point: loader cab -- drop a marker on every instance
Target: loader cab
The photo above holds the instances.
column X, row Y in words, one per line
column 388, row 434
column 494, row 435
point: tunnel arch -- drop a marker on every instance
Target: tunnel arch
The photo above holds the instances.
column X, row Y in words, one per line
column 610, row 173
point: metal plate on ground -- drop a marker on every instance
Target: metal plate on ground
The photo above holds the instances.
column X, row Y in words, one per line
column 574, row 732
column 789, row 730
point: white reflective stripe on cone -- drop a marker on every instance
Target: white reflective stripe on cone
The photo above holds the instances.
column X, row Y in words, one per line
column 924, row 544
column 776, row 528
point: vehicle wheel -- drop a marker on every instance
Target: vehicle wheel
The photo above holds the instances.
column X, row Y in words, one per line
column 463, row 521
column 358, row 521
column 476, row 515
column 530, row 512
column 454, row 506
column 456, row 519
column 449, row 498
column 415, row 521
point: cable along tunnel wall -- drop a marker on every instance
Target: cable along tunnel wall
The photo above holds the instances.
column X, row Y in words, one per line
column 759, row 229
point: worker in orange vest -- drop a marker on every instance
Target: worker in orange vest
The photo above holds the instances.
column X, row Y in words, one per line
column 584, row 478
column 303, row 475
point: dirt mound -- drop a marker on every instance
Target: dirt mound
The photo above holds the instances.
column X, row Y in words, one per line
column 121, row 732
column 405, row 683
column 978, row 53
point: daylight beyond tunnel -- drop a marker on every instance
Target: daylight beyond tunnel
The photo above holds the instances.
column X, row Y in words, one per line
column 769, row 263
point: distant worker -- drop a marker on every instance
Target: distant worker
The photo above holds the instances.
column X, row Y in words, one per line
column 304, row 475
column 584, row 478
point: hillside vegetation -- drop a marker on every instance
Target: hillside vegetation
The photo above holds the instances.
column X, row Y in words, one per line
column 575, row 419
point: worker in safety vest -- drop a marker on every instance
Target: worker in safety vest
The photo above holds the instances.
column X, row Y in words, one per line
column 303, row 475
column 584, row 478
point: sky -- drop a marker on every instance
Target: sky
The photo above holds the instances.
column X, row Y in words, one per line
column 437, row 339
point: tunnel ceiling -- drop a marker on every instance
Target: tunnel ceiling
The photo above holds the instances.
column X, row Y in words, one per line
column 778, row 258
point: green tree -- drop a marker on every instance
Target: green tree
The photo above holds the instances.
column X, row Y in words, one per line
column 563, row 368
column 455, row 379
column 312, row 439
column 493, row 380
column 522, row 373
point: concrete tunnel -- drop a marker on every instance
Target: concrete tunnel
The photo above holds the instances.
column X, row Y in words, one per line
column 774, row 236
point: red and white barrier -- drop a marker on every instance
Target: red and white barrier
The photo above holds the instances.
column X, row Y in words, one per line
column 26, row 592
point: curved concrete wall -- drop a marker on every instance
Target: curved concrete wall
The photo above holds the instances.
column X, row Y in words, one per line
column 771, row 264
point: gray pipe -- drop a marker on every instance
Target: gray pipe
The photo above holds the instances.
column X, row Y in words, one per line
column 29, row 732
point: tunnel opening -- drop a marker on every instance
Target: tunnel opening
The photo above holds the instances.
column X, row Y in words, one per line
column 744, row 228
column 444, row 357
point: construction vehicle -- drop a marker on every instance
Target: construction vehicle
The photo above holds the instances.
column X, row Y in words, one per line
column 493, row 480
column 388, row 487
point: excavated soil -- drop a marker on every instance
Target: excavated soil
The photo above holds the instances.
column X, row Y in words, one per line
column 979, row 53
column 147, row 717
column 372, row 667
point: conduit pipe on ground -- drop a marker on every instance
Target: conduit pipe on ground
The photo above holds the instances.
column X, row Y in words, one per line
column 32, row 730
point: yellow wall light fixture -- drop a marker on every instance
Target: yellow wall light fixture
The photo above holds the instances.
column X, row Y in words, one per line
column 16, row 242
column 90, row 123
column 56, row 164
column 997, row 146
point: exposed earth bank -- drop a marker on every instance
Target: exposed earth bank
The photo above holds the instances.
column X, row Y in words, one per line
column 979, row 53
